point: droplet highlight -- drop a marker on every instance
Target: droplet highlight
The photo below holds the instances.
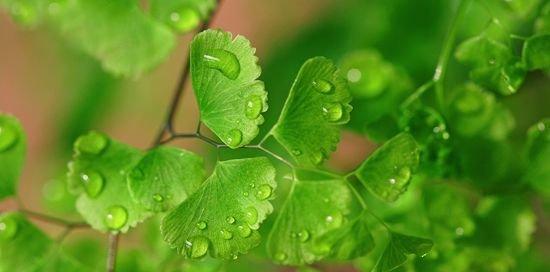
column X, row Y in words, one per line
column 264, row 191
column 322, row 86
column 224, row 61
column 201, row 225
column 303, row 236
column 93, row 183
column 334, row 219
column 230, row 220
column 116, row 217
column 253, row 107
column 234, row 138
column 158, row 198
column 333, row 112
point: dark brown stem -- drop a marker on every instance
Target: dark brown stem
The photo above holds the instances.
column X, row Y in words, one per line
column 53, row 220
column 112, row 253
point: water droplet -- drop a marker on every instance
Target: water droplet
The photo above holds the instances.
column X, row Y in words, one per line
column 251, row 215
column 201, row 225
column 333, row 112
column 252, row 185
column 296, row 152
column 158, row 198
column 8, row 136
column 317, row 158
column 404, row 174
column 253, row 107
column 334, row 220
column 227, row 235
column 116, row 217
column 234, row 256
column 8, row 228
column 224, row 61
column 264, row 191
column 322, row 86
column 199, row 246
column 244, row 231
column 184, row 19
column 234, row 138
column 303, row 235
column 280, row 256
column 91, row 143
column 93, row 183
column 492, row 61
column 245, row 193
column 230, row 220
column 392, row 181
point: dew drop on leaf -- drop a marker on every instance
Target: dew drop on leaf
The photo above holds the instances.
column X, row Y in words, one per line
column 303, row 235
column 184, row 19
column 245, row 193
column 230, row 220
column 264, row 191
column 234, row 138
column 93, row 183
column 296, row 152
column 404, row 174
column 8, row 228
column 251, row 215
column 201, row 225
column 280, row 256
column 322, row 86
column 333, row 112
column 116, row 217
column 334, row 220
column 8, row 137
column 227, row 235
column 317, row 158
column 158, row 198
column 199, row 246
column 244, row 231
column 253, row 107
column 224, row 61
column 92, row 143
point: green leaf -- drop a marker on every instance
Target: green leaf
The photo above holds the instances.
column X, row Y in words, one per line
column 118, row 33
column 542, row 24
column 182, row 15
column 318, row 103
column 98, row 172
column 312, row 209
column 536, row 52
column 493, row 64
column 165, row 177
column 27, row 13
column 388, row 171
column 351, row 241
column 13, row 145
column 538, row 156
column 230, row 98
column 399, row 247
column 223, row 216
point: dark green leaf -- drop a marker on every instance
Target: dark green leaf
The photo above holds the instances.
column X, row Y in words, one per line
column 399, row 247
column 536, row 52
column 13, row 145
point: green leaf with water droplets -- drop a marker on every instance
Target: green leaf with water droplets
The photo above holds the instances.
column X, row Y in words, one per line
column 538, row 156
column 165, row 177
column 388, row 171
column 182, row 15
column 536, row 52
column 231, row 99
column 313, row 208
column 223, row 216
column 318, row 103
column 98, row 173
column 399, row 247
column 13, row 145
column 106, row 29
column 493, row 64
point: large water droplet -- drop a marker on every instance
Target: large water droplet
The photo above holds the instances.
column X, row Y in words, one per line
column 251, row 215
column 322, row 86
column 184, row 19
column 227, row 235
column 116, row 217
column 317, row 158
column 404, row 174
column 264, row 191
column 303, row 235
column 280, row 256
column 201, row 225
column 234, row 138
column 333, row 112
column 93, row 183
column 91, row 143
column 8, row 228
column 8, row 136
column 224, row 61
column 244, row 231
column 158, row 198
column 253, row 107
column 199, row 246
column 296, row 152
column 334, row 220
column 230, row 220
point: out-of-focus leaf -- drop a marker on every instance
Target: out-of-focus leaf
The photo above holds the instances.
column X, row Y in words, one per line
column 538, row 156
column 13, row 145
column 399, row 247
column 542, row 24
column 27, row 13
column 182, row 15
column 536, row 52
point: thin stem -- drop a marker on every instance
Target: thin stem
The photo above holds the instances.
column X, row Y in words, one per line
column 443, row 61
column 112, row 253
column 53, row 220
column 417, row 94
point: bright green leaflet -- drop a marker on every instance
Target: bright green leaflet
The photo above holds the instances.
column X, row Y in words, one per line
column 13, row 145
column 27, row 13
column 351, row 241
column 230, row 98
column 493, row 64
column 182, row 15
column 99, row 172
column 312, row 209
column 399, row 247
column 388, row 171
column 165, row 177
column 536, row 52
column 318, row 103
column 104, row 28
column 223, row 216
column 538, row 156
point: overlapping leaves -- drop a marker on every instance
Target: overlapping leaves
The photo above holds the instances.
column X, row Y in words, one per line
column 13, row 144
